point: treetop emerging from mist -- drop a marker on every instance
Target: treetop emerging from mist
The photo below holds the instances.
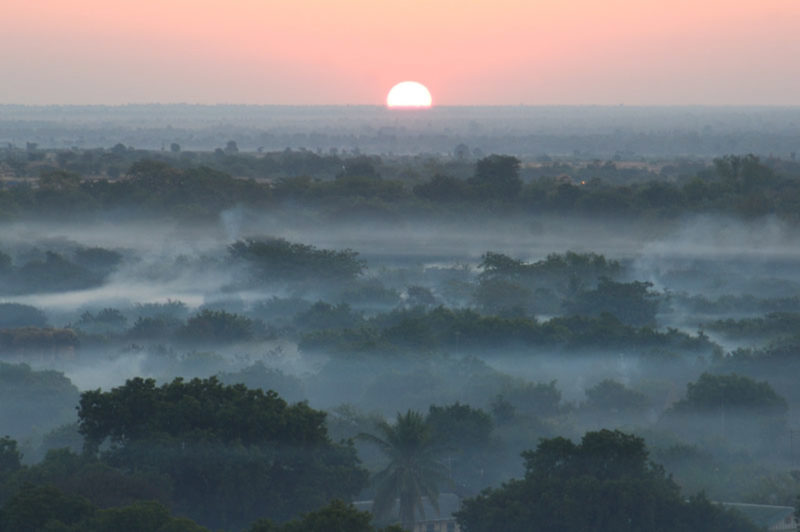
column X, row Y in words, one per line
column 276, row 259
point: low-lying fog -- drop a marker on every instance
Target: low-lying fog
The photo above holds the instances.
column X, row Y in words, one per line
column 164, row 262
column 162, row 299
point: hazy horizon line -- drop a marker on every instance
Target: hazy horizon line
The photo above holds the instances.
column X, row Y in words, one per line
column 406, row 110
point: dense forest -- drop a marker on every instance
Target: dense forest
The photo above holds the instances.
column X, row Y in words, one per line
column 300, row 341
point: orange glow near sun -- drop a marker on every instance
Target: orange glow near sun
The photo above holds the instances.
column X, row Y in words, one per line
column 409, row 94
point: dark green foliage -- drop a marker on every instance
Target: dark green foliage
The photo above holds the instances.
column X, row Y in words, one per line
column 10, row 457
column 34, row 508
column 197, row 409
column 361, row 166
column 106, row 321
column 34, row 400
column 276, row 259
column 47, row 509
column 712, row 393
column 774, row 324
column 502, row 410
column 369, row 293
column 465, row 329
column 633, row 303
column 743, row 411
column 201, row 185
column 155, row 329
column 557, row 277
column 743, row 172
column 17, row 315
column 64, row 437
column 568, row 265
column 442, row 189
column 171, row 309
column 140, row 516
column 535, row 399
column 232, row 454
column 497, row 177
column 202, row 191
column 500, row 296
column 612, row 396
column 51, row 274
column 463, row 434
column 356, row 188
column 604, row 484
column 459, row 426
column 98, row 482
column 735, row 304
column 335, row 517
column 420, row 296
column 216, row 326
column 695, row 469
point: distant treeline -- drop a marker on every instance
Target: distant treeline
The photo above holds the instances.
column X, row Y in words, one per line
column 155, row 183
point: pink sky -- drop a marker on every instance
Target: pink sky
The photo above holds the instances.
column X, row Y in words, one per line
column 496, row 52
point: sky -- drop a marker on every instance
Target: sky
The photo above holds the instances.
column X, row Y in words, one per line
column 335, row 52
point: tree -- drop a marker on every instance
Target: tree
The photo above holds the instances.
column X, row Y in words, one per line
column 276, row 259
column 335, row 517
column 233, row 454
column 463, row 434
column 604, row 484
column 734, row 407
column 361, row 166
column 442, row 188
column 712, row 393
column 231, row 148
column 31, row 399
column 217, row 326
column 420, row 296
column 499, row 296
column 612, row 396
column 48, row 509
column 633, row 303
column 17, row 315
column 413, row 471
column 10, row 457
column 33, row 507
column 139, row 517
column 497, row 176
column 743, row 172
column 106, row 321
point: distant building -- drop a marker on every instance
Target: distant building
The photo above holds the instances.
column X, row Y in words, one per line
column 777, row 518
column 433, row 521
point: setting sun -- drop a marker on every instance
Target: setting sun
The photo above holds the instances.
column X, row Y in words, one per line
column 409, row 94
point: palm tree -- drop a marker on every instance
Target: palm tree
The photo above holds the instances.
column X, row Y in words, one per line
column 413, row 471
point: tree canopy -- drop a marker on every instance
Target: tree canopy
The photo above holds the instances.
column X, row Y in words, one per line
column 603, row 484
column 233, row 454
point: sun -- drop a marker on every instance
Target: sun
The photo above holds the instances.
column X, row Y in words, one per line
column 409, row 94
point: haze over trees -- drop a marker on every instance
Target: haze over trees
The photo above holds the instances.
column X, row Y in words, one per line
column 274, row 340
